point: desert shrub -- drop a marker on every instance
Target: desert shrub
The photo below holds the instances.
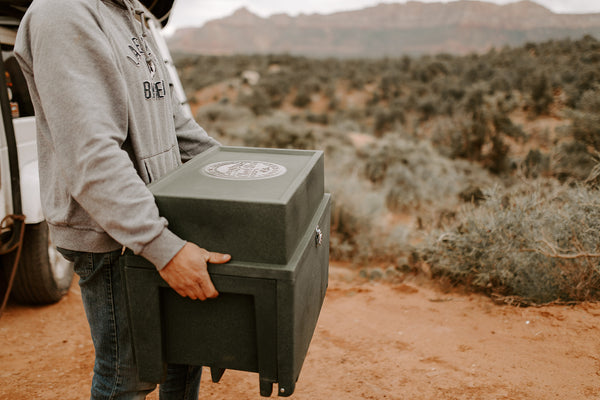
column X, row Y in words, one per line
column 357, row 75
column 340, row 154
column 223, row 121
column 276, row 87
column 536, row 164
column 198, row 72
column 587, row 78
column 467, row 138
column 449, row 95
column 387, row 118
column 390, row 85
column 532, row 244
column 279, row 132
column 357, row 234
column 413, row 174
column 444, row 132
column 351, row 221
column 540, row 92
column 593, row 180
column 504, row 125
column 218, row 112
column 322, row 119
column 500, row 84
column 428, row 70
column 428, row 106
column 478, row 70
column 357, row 115
column 257, row 100
column 302, row 98
column 572, row 160
column 478, row 133
column 585, row 118
column 383, row 121
column 576, row 155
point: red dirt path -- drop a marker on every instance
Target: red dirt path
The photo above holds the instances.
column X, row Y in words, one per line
column 373, row 341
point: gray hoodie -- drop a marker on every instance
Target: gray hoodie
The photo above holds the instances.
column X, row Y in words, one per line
column 108, row 123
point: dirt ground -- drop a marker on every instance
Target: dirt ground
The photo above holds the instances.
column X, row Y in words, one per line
column 374, row 340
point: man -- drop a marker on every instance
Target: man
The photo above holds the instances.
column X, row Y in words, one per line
column 108, row 124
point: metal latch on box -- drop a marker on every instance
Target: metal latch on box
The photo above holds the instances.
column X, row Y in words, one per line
column 318, row 236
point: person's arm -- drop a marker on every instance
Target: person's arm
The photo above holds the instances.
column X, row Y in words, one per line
column 184, row 273
column 83, row 100
column 191, row 137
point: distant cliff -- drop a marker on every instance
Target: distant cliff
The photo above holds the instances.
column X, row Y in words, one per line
column 387, row 30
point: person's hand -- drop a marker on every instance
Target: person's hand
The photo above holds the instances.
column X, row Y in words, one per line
column 187, row 272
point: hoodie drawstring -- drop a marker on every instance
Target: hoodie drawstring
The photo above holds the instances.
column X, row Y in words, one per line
column 141, row 38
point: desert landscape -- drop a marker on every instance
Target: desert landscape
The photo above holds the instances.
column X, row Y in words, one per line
column 465, row 228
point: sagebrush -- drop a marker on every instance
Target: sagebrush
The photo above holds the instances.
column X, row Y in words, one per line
column 536, row 243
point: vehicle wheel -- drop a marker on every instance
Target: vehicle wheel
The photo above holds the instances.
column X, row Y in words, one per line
column 43, row 275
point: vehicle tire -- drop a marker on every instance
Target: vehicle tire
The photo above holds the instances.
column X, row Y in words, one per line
column 43, row 275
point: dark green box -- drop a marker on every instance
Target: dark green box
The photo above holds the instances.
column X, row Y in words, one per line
column 269, row 304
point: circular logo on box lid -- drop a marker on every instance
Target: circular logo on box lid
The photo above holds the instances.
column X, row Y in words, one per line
column 245, row 170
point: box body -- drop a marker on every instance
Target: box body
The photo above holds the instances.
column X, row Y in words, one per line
column 268, row 304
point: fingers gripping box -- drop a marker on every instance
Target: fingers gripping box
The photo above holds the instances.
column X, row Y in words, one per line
column 267, row 208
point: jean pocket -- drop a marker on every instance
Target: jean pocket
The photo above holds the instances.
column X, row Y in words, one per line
column 83, row 263
column 70, row 255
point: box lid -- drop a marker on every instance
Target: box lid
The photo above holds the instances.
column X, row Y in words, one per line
column 252, row 203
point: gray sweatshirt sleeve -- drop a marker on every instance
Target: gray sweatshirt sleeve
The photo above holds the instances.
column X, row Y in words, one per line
column 191, row 137
column 83, row 100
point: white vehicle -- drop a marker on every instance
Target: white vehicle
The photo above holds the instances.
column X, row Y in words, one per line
column 41, row 276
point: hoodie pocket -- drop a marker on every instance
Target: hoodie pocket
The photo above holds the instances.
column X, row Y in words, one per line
column 160, row 164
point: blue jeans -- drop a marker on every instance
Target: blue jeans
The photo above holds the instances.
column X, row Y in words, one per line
column 115, row 371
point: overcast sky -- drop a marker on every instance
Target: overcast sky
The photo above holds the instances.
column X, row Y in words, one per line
column 197, row 12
